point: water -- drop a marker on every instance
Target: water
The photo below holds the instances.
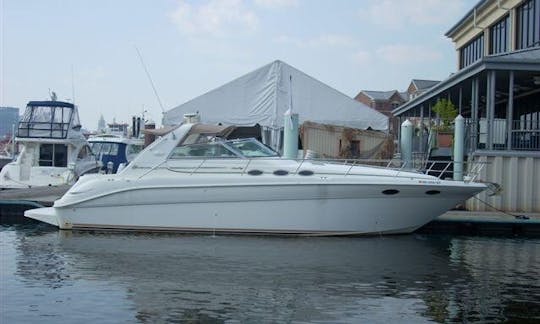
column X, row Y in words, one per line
column 52, row 276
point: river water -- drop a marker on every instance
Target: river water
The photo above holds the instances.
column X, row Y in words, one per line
column 50, row 276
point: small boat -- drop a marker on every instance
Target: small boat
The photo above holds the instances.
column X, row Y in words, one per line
column 198, row 179
column 53, row 149
column 115, row 151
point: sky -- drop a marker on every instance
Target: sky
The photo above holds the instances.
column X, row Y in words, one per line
column 86, row 50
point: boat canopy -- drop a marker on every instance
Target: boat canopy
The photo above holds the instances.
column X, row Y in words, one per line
column 48, row 119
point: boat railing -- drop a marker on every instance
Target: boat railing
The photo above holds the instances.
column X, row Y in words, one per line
column 440, row 169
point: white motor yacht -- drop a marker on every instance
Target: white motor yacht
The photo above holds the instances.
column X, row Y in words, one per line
column 195, row 179
column 53, row 150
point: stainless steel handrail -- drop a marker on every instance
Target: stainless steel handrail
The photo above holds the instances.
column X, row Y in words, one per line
column 473, row 173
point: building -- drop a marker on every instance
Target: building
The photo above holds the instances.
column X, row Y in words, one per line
column 384, row 102
column 9, row 116
column 497, row 90
column 418, row 87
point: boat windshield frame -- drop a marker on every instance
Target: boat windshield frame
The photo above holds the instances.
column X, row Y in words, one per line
column 46, row 120
column 246, row 148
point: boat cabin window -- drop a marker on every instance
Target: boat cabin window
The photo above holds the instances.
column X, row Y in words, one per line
column 105, row 148
column 84, row 153
column 206, row 150
column 134, row 149
column 54, row 155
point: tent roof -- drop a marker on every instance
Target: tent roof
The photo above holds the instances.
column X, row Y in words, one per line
column 264, row 95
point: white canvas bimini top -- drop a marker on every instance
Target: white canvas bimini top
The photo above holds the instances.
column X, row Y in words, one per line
column 264, row 95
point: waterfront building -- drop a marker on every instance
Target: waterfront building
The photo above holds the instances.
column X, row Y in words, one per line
column 497, row 90
column 384, row 102
column 9, row 116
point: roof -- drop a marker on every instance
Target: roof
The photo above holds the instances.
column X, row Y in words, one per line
column 424, row 84
column 468, row 15
column 379, row 95
column 265, row 94
column 404, row 95
column 531, row 55
column 525, row 60
column 51, row 104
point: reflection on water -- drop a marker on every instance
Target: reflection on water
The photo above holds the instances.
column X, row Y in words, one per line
column 66, row 276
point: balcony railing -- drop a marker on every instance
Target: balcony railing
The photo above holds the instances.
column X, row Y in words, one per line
column 524, row 134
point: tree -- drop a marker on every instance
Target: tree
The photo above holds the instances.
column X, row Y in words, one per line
column 447, row 112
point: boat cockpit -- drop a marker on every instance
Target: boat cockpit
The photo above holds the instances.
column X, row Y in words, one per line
column 216, row 141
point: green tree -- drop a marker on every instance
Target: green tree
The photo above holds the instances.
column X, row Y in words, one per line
column 447, row 112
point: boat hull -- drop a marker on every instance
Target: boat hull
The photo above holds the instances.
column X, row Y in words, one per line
column 335, row 209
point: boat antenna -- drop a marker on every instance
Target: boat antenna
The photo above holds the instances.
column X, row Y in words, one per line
column 150, row 79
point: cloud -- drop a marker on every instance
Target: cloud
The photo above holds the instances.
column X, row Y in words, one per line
column 400, row 53
column 398, row 13
column 214, row 18
column 324, row 40
column 276, row 3
column 362, row 57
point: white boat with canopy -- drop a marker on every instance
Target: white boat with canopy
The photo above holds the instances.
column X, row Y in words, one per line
column 200, row 178
column 53, row 149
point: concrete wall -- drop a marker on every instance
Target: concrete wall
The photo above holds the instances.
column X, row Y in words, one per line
column 519, row 177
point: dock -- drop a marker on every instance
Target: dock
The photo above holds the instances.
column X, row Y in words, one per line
column 484, row 223
column 14, row 202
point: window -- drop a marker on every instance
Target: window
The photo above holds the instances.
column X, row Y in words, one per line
column 528, row 24
column 499, row 40
column 96, row 148
column 472, row 52
column 355, row 148
column 54, row 155
column 208, row 150
column 134, row 149
column 253, row 148
column 84, row 152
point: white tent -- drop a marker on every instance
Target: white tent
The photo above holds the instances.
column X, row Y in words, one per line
column 264, row 95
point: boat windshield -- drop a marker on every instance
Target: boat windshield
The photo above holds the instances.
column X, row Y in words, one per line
column 243, row 148
column 251, row 148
